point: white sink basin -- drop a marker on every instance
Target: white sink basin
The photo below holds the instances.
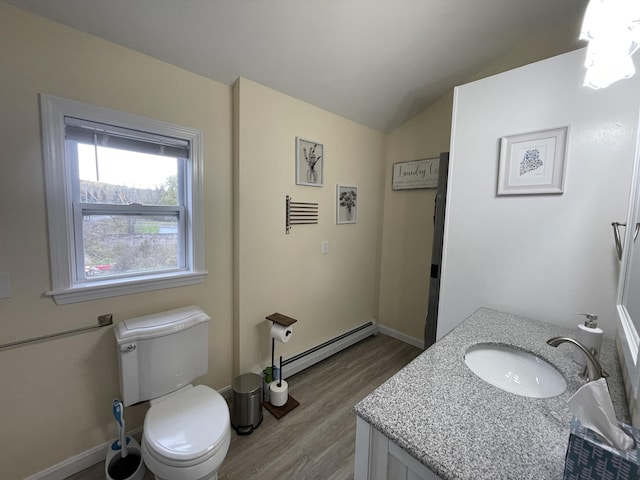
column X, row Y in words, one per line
column 514, row 370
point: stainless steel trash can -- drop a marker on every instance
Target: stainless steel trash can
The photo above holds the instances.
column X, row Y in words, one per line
column 246, row 406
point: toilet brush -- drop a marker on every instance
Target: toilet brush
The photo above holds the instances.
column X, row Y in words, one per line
column 124, row 466
column 117, row 412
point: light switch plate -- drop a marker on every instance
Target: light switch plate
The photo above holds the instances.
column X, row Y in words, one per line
column 325, row 247
column 5, row 285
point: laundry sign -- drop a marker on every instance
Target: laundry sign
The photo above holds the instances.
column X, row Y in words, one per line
column 415, row 174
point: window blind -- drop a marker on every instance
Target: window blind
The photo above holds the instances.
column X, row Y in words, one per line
column 109, row 136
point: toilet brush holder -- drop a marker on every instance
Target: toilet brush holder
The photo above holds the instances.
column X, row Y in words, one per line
column 130, row 467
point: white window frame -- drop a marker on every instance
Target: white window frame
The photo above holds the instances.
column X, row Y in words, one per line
column 60, row 212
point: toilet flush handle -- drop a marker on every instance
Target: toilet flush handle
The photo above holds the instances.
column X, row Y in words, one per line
column 128, row 348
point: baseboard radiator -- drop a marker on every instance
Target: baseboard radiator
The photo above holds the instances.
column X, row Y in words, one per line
column 297, row 363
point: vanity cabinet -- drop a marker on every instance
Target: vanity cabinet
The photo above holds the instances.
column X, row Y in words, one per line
column 436, row 418
column 379, row 458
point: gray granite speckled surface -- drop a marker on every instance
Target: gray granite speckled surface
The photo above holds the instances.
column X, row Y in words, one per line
column 463, row 428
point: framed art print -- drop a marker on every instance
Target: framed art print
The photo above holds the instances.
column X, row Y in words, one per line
column 533, row 163
column 309, row 162
column 346, row 204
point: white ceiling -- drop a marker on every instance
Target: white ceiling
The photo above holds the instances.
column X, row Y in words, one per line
column 376, row 62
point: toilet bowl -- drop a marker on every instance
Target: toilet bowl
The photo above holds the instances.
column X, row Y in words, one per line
column 187, row 429
column 187, row 434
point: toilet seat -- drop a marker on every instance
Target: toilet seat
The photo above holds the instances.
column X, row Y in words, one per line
column 187, row 428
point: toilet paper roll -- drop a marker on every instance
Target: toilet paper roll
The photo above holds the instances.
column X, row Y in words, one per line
column 280, row 332
column 279, row 394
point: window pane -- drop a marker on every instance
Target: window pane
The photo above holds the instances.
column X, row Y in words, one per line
column 114, row 176
column 125, row 244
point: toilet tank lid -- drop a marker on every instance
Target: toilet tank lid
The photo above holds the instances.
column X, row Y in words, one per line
column 159, row 324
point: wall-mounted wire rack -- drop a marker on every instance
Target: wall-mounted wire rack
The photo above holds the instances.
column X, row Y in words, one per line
column 300, row 213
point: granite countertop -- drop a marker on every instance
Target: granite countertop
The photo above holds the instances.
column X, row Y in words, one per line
column 461, row 427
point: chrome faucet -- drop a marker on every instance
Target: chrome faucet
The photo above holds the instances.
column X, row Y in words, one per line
column 593, row 370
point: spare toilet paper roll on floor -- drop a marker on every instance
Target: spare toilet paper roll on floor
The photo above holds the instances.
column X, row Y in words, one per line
column 279, row 394
column 280, row 332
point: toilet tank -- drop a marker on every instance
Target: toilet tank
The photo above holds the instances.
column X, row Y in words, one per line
column 160, row 353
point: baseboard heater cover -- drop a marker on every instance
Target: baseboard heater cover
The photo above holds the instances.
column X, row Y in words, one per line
column 301, row 361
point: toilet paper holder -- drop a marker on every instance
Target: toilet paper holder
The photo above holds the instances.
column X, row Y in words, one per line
column 284, row 321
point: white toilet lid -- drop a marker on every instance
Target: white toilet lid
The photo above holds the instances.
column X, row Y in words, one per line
column 188, row 425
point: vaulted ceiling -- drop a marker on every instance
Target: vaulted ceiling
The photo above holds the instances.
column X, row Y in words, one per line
column 376, row 62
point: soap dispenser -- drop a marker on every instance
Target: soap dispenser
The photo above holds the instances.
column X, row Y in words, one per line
column 588, row 335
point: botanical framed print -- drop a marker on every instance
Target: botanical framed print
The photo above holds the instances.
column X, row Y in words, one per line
column 533, row 163
column 309, row 162
column 346, row 204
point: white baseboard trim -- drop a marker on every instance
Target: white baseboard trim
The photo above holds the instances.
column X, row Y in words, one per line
column 77, row 463
column 403, row 337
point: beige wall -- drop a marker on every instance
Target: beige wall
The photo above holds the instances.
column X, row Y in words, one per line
column 408, row 215
column 408, row 223
column 327, row 294
column 56, row 395
column 60, row 391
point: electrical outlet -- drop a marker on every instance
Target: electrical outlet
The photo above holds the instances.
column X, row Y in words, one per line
column 325, row 247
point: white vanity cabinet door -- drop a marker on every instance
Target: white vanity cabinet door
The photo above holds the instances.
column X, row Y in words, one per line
column 378, row 458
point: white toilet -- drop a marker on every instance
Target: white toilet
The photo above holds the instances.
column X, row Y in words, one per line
column 187, row 429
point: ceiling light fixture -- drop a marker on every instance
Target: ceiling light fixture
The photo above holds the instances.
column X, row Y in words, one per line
column 612, row 28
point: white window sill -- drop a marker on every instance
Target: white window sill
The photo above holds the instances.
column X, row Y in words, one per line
column 114, row 288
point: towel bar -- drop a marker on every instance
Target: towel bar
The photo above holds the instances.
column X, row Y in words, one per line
column 103, row 321
column 616, row 236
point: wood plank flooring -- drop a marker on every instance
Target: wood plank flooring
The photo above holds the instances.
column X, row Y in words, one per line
column 316, row 441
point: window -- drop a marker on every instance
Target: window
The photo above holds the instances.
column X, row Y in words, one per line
column 124, row 197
